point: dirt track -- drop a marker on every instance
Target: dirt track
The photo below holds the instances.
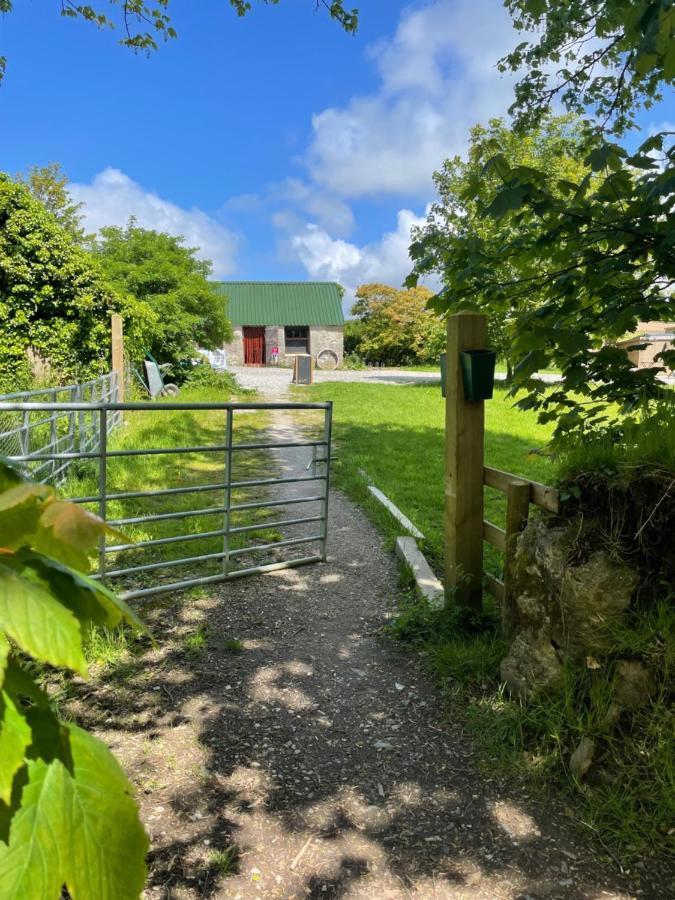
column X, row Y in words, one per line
column 319, row 758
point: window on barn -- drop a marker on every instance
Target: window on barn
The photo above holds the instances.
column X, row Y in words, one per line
column 297, row 338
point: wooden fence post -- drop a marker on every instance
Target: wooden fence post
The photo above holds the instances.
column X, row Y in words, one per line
column 464, row 434
column 517, row 511
column 117, row 329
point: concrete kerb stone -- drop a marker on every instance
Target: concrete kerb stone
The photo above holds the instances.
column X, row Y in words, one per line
column 427, row 584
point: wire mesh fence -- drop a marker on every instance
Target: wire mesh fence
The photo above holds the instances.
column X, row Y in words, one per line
column 56, row 431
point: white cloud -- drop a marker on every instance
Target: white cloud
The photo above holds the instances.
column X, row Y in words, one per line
column 437, row 79
column 330, row 259
column 290, row 202
column 323, row 207
column 112, row 197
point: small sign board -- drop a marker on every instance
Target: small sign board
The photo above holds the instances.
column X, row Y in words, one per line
column 303, row 370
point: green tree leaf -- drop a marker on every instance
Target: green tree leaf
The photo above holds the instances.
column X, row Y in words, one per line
column 40, row 625
column 20, row 511
column 15, row 736
column 87, row 598
column 69, row 533
column 31, row 863
column 105, row 863
column 76, row 826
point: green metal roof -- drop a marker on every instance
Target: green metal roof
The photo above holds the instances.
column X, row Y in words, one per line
column 282, row 302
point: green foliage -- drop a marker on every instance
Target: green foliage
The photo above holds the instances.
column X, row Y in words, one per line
column 157, row 270
column 53, row 299
column 593, row 256
column 233, row 645
column 225, row 862
column 106, row 647
column 147, row 22
column 67, row 812
column 203, row 377
column 195, row 644
column 395, row 326
column 647, row 440
column 49, row 185
column 466, row 188
column 596, row 261
column 353, row 332
column 353, row 361
column 611, row 56
column 459, row 643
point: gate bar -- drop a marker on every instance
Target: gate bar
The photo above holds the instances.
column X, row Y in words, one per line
column 214, row 579
column 228, row 492
column 171, row 407
column 102, row 479
column 263, row 526
column 328, row 428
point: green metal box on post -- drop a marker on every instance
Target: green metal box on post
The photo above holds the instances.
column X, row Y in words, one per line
column 478, row 374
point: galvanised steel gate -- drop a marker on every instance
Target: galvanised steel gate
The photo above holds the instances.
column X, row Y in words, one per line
column 304, row 483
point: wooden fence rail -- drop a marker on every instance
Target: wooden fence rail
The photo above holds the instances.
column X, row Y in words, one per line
column 520, row 493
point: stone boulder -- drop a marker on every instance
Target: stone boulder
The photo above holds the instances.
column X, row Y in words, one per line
column 557, row 610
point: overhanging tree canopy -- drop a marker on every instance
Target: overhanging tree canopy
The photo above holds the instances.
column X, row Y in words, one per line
column 597, row 253
column 144, row 23
column 465, row 189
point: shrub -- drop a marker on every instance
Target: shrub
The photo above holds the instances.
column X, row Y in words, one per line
column 203, row 377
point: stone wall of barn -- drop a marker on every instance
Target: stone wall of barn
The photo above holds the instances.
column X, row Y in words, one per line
column 235, row 348
column 326, row 337
column 321, row 337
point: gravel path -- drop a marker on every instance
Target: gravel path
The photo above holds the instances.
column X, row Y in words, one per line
column 297, row 753
column 321, row 754
column 270, row 380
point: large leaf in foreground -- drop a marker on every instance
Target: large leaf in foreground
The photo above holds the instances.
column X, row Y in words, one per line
column 70, row 533
column 30, row 865
column 80, row 829
column 20, row 512
column 87, row 598
column 39, row 623
column 15, row 736
column 104, row 862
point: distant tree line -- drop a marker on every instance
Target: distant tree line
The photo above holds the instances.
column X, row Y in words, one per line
column 59, row 287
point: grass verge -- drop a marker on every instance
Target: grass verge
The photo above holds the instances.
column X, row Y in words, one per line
column 628, row 801
column 396, row 435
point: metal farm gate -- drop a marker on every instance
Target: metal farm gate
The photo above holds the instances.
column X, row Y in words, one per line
column 286, row 481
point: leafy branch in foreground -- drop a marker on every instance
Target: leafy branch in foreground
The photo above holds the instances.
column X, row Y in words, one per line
column 611, row 56
column 597, row 255
column 145, row 23
column 67, row 814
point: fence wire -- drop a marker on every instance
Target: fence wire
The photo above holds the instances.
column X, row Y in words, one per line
column 53, row 432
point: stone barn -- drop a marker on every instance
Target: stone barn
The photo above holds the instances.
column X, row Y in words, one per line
column 273, row 321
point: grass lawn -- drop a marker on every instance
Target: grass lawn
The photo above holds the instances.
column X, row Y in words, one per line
column 396, row 434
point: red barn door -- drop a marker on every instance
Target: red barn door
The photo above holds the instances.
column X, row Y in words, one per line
column 254, row 346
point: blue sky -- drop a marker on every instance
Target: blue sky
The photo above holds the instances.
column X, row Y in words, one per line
column 280, row 146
